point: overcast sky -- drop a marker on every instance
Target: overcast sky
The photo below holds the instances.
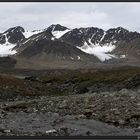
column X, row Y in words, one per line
column 34, row 16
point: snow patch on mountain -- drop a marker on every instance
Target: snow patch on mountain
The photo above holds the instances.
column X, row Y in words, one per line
column 6, row 49
column 28, row 34
column 78, row 57
column 58, row 34
column 123, row 56
column 52, row 38
column 26, row 41
column 103, row 36
column 71, row 58
column 102, row 52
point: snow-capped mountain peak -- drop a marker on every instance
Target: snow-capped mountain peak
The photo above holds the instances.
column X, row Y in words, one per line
column 56, row 27
column 58, row 34
column 93, row 41
column 58, row 30
column 11, row 37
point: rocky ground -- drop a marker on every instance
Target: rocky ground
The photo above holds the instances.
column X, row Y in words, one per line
column 86, row 103
column 107, row 113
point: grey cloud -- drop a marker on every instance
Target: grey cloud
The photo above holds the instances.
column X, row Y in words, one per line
column 41, row 15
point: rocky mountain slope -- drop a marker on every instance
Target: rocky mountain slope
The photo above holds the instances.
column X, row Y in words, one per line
column 77, row 46
column 45, row 44
column 104, row 44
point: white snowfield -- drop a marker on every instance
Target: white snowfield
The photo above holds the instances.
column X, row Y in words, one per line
column 102, row 52
column 27, row 34
column 6, row 49
column 58, row 34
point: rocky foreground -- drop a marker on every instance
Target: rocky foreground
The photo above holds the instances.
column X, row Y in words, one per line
column 107, row 113
column 89, row 104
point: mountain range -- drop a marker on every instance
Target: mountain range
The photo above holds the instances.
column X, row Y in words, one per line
column 59, row 46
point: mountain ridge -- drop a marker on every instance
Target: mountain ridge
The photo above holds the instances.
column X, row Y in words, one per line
column 93, row 43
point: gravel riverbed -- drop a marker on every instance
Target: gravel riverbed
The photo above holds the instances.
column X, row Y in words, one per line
column 105, row 113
